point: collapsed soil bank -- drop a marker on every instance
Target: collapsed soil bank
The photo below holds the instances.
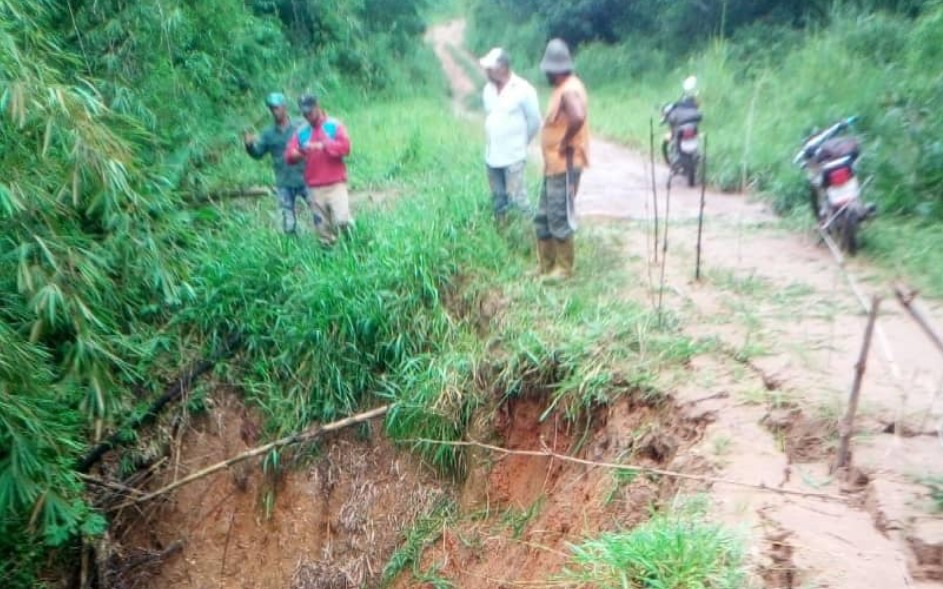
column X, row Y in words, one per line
column 331, row 519
column 334, row 518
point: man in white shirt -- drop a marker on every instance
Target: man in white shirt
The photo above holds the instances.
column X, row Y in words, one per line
column 512, row 121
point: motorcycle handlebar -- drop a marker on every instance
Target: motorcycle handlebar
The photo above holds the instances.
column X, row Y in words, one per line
column 815, row 141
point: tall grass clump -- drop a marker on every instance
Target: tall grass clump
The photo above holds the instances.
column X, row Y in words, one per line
column 677, row 550
column 327, row 332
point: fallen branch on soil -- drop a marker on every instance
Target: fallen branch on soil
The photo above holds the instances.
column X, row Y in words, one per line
column 110, row 485
column 246, row 191
column 148, row 558
column 847, row 426
column 182, row 384
column 298, row 438
column 908, row 300
column 547, row 453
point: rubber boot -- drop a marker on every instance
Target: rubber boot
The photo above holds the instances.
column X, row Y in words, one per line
column 564, row 258
column 546, row 256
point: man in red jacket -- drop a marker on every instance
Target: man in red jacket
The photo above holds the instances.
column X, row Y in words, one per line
column 323, row 144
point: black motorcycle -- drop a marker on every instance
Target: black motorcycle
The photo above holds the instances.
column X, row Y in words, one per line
column 682, row 147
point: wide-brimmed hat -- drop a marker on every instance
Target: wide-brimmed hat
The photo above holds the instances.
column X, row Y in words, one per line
column 557, row 58
column 495, row 58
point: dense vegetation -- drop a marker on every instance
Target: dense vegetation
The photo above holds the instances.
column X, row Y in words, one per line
column 117, row 117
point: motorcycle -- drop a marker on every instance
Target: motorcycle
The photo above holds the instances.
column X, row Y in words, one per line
column 829, row 159
column 681, row 146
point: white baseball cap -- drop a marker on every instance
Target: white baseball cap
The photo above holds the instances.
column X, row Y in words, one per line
column 495, row 58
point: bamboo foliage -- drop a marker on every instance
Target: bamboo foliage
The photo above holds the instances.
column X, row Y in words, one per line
column 78, row 254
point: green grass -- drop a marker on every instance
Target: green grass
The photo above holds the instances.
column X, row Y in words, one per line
column 517, row 520
column 935, row 485
column 678, row 550
column 425, row 530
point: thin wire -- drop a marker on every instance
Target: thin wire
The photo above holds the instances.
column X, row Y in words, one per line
column 547, row 453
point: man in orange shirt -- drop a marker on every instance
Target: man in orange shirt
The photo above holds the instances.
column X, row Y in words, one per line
column 565, row 144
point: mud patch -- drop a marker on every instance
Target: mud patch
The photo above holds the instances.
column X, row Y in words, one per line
column 926, row 544
column 779, row 571
column 804, row 439
column 333, row 517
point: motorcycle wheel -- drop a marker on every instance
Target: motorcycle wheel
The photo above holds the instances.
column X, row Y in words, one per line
column 664, row 152
column 691, row 170
column 849, row 232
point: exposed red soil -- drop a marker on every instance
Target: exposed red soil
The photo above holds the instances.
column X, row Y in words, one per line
column 536, row 506
column 334, row 520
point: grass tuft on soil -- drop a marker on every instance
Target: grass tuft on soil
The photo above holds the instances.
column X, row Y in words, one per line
column 675, row 550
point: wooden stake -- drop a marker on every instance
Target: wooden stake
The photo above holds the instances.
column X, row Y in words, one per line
column 298, row 438
column 848, row 422
column 908, row 300
column 664, row 247
column 700, row 216
column 651, row 125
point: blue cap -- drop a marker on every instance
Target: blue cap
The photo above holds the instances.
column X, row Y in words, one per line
column 275, row 99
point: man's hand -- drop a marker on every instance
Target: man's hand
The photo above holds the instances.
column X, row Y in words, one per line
column 249, row 138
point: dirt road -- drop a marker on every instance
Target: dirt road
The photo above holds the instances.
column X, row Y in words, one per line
column 788, row 331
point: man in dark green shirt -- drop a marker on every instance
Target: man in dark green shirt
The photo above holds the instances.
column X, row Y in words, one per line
column 289, row 179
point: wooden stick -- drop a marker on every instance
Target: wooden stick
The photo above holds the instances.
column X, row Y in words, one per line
column 547, row 453
column 700, row 216
column 240, row 192
column 664, row 248
column 908, row 300
column 847, row 426
column 651, row 125
column 181, row 385
column 298, row 438
column 109, row 484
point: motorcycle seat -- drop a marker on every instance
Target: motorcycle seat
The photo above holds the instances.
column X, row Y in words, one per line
column 837, row 163
column 839, row 147
column 683, row 115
